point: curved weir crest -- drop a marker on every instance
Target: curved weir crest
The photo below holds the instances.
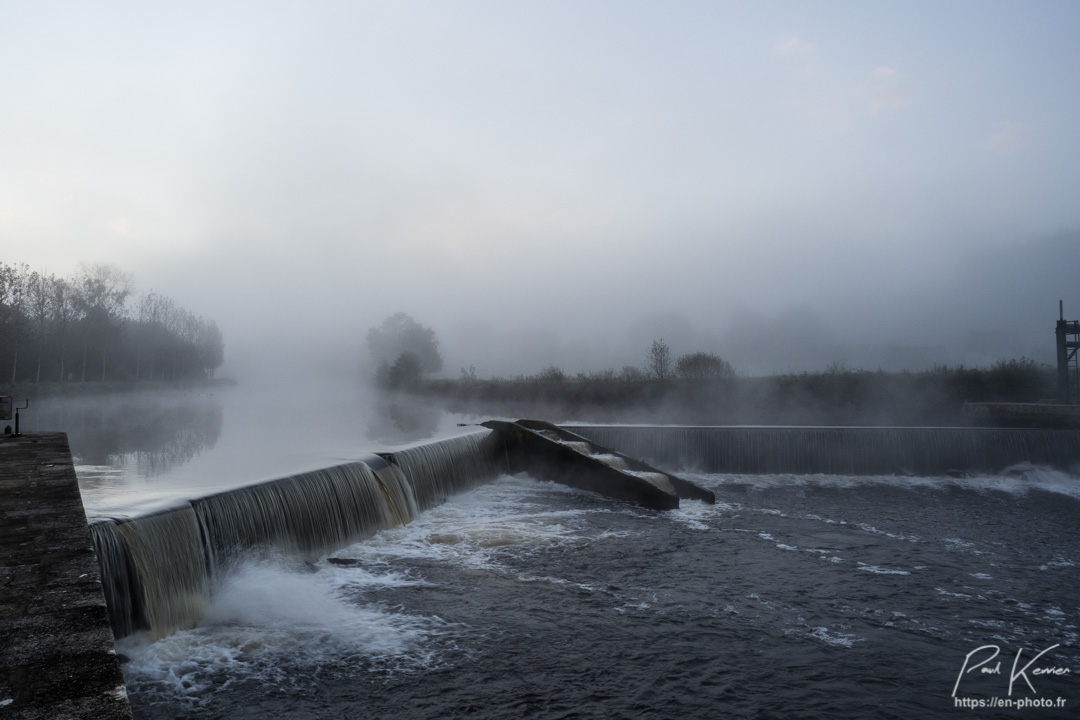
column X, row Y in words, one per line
column 159, row 570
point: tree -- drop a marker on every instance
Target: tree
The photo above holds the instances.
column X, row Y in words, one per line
column 658, row 360
column 405, row 372
column 400, row 334
column 64, row 311
column 102, row 291
column 704, row 366
column 15, row 285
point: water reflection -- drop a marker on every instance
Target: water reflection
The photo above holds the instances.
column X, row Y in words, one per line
column 402, row 419
column 143, row 451
column 149, row 434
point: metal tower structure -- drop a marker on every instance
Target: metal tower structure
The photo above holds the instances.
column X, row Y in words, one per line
column 1068, row 341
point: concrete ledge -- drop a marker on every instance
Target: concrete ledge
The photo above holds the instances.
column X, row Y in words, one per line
column 56, row 655
column 547, row 452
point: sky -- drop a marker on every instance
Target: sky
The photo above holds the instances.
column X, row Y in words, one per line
column 786, row 184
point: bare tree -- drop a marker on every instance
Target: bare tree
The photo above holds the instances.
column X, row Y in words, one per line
column 103, row 291
column 90, row 311
column 39, row 292
column 65, row 310
column 658, row 360
column 14, row 282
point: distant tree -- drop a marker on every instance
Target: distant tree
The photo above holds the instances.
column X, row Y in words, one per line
column 630, row 373
column 65, row 311
column 658, row 360
column 39, row 291
column 704, row 366
column 400, row 334
column 405, row 372
column 14, row 320
column 88, row 314
column 102, row 291
column 552, row 373
column 211, row 347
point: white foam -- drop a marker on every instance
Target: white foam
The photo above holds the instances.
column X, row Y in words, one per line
column 943, row 591
column 480, row 530
column 1017, row 480
column 695, row 514
column 873, row 530
column 880, row 570
column 266, row 618
column 839, row 639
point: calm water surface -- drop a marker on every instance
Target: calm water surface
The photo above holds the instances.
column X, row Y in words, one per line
column 140, row 451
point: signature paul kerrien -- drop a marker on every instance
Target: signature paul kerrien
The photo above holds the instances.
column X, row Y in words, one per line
column 986, row 669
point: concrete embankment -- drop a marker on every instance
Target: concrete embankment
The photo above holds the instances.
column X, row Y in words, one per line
column 56, row 647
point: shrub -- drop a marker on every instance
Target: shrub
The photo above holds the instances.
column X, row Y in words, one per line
column 704, row 366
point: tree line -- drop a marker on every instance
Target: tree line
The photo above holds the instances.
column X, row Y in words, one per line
column 93, row 327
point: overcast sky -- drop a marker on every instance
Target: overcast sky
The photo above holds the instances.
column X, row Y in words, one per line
column 543, row 181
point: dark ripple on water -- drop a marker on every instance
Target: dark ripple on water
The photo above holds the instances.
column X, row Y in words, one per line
column 792, row 598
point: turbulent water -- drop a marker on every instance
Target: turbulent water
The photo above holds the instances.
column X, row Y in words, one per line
column 792, row 597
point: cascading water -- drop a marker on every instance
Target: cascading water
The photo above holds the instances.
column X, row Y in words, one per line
column 159, row 570
column 306, row 515
column 120, row 580
column 167, row 552
column 437, row 470
column 839, row 450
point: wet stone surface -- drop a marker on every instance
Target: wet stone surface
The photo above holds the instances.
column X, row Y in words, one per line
column 56, row 656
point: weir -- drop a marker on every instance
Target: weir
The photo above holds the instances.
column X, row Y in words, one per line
column 840, row 450
column 549, row 452
column 159, row 570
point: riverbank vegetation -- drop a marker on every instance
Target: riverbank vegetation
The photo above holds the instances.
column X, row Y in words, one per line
column 93, row 328
column 716, row 395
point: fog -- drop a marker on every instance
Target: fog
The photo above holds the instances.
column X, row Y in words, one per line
column 788, row 185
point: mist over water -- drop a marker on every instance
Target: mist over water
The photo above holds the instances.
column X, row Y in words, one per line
column 139, row 451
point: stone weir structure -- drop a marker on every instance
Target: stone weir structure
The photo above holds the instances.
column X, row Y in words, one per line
column 161, row 569
column 56, row 648
column 548, row 452
column 840, row 450
column 158, row 571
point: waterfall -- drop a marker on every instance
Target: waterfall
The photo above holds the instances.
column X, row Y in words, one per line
column 437, row 470
column 306, row 515
column 120, row 580
column 167, row 553
column 159, row 570
column 839, row 450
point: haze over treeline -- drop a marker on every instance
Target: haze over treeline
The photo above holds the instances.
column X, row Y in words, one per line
column 93, row 327
column 784, row 184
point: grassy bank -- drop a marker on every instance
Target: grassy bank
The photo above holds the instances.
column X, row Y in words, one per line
column 838, row 397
